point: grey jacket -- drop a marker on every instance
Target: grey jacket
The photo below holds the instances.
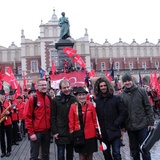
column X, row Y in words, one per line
column 139, row 111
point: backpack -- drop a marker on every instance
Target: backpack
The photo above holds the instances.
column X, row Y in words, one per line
column 35, row 100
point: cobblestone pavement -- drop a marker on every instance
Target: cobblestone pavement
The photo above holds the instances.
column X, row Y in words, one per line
column 22, row 152
column 155, row 151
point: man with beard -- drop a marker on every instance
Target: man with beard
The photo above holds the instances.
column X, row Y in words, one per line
column 59, row 120
column 111, row 115
column 139, row 116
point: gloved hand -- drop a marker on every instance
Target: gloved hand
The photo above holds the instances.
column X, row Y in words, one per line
column 97, row 135
column 71, row 137
column 15, row 110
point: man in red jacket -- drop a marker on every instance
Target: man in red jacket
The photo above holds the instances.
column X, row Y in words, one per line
column 37, row 121
column 14, row 116
column 5, row 126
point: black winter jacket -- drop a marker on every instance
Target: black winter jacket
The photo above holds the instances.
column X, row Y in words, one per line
column 111, row 114
column 139, row 111
column 59, row 117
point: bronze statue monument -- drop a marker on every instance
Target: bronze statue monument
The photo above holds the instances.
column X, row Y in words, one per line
column 64, row 24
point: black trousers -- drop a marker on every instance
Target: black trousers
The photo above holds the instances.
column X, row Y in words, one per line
column 14, row 131
column 6, row 130
column 43, row 140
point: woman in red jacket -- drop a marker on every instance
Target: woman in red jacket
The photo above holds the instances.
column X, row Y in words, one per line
column 90, row 124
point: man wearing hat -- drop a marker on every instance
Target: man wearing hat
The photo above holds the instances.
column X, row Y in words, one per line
column 5, row 126
column 140, row 115
column 14, row 116
column 20, row 106
column 32, row 90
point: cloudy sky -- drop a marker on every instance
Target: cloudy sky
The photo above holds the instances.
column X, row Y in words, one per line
column 104, row 19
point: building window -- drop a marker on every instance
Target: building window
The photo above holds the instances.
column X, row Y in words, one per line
column 131, row 51
column 82, row 49
column 157, row 50
column 117, row 66
column 118, row 52
column 55, row 59
column 96, row 52
column 130, row 65
column 34, row 66
column 92, row 65
column 144, row 65
column 157, row 64
column 19, row 70
column 103, row 53
column 103, row 66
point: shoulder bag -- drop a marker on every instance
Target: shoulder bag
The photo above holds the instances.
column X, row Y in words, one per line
column 78, row 135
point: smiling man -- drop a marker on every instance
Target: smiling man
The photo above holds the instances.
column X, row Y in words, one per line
column 38, row 121
column 59, row 120
column 111, row 114
column 140, row 115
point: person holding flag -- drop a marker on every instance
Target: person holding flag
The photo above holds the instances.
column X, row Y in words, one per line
column 111, row 114
column 86, row 114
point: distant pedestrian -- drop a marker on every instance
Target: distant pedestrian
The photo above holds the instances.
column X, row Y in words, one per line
column 5, row 126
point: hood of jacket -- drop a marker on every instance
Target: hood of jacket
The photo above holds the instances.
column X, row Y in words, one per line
column 110, row 89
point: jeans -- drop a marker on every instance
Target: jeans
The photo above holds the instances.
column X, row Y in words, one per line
column 61, row 150
column 136, row 138
column 115, row 144
column 43, row 140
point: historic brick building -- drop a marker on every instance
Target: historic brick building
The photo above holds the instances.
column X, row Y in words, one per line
column 39, row 53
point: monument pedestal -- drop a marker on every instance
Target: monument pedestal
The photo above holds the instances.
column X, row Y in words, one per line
column 62, row 43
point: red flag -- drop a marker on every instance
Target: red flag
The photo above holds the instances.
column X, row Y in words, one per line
column 108, row 76
column 24, row 81
column 77, row 59
column 69, row 51
column 53, row 68
column 9, row 78
column 153, row 80
column 92, row 73
column 18, row 90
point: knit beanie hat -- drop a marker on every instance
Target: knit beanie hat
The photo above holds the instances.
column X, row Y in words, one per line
column 126, row 77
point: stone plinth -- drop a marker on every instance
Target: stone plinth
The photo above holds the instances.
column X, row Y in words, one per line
column 62, row 43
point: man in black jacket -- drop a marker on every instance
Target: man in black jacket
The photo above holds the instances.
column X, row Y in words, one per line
column 111, row 114
column 59, row 120
column 139, row 116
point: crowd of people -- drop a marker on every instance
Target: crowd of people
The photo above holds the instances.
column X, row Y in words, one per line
column 103, row 113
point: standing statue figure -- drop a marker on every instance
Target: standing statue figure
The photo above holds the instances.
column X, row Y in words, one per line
column 64, row 24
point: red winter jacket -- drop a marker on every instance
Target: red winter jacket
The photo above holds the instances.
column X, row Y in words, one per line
column 20, row 107
column 90, row 123
column 37, row 118
column 14, row 110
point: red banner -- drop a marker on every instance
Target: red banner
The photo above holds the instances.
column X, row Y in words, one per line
column 69, row 51
column 77, row 59
column 76, row 78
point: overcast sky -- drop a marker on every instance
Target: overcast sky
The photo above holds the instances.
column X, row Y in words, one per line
column 104, row 19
